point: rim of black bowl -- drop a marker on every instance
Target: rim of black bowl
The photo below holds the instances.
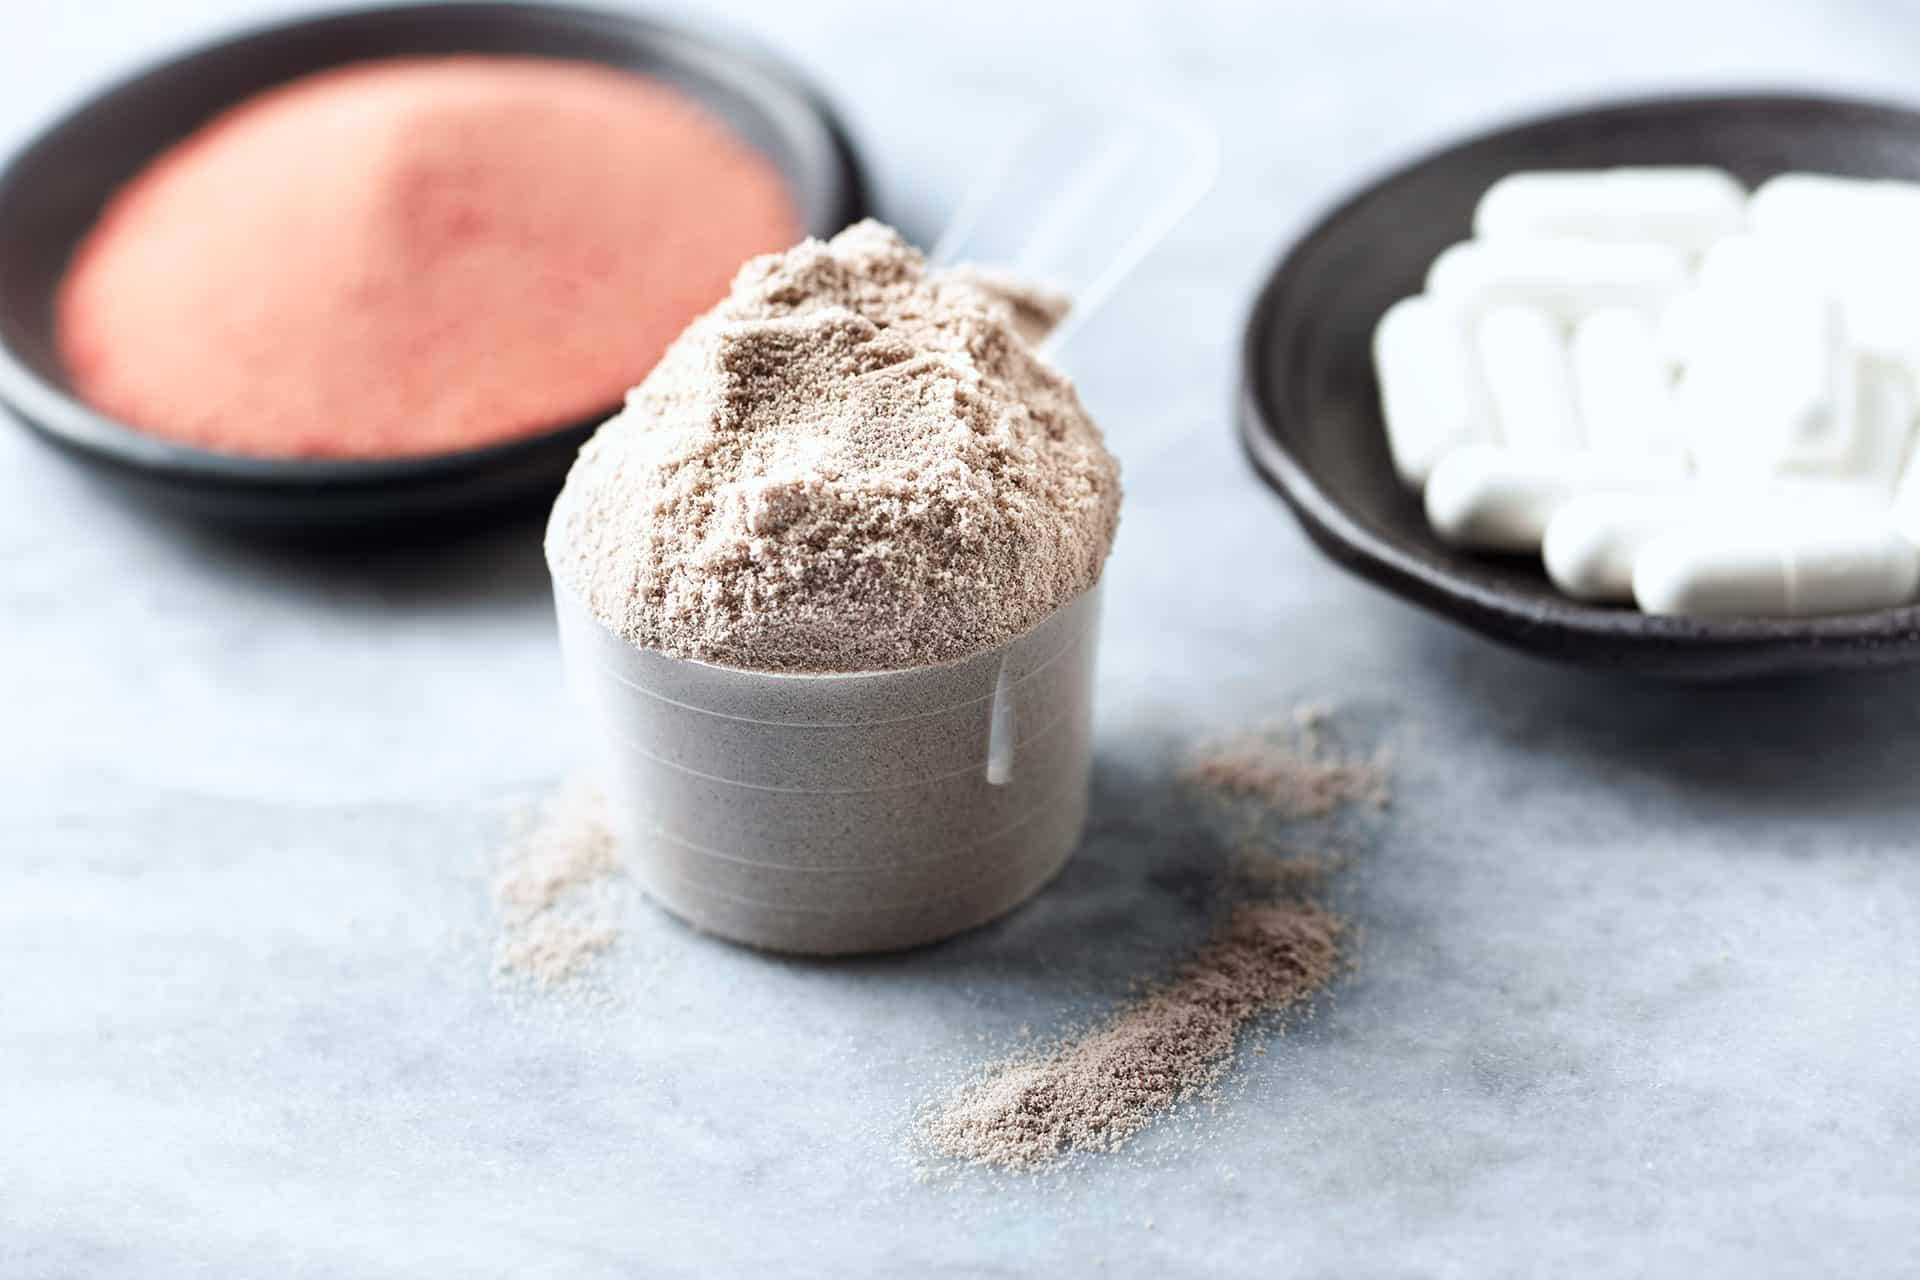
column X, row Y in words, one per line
column 74, row 425
column 1549, row 624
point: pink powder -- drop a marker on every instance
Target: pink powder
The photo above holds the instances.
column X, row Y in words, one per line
column 413, row 256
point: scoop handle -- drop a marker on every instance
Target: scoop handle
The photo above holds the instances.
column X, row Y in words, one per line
column 1080, row 198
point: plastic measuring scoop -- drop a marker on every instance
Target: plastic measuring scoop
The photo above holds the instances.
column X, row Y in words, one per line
column 845, row 813
column 1080, row 199
column 835, row 814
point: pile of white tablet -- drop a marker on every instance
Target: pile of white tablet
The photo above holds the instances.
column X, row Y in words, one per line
column 1678, row 393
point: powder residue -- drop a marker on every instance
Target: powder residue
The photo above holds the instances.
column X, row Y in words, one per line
column 1263, row 869
column 1291, row 770
column 1096, row 1091
column 1276, row 945
column 553, row 919
column 413, row 255
column 552, row 952
column 852, row 463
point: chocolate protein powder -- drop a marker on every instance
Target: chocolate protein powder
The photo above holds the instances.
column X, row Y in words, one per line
column 851, row 464
column 1274, row 949
column 1096, row 1091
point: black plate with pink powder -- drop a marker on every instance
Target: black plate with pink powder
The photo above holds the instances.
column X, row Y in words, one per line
column 53, row 188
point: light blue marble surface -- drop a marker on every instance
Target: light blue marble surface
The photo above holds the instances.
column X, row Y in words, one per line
column 1639, row 990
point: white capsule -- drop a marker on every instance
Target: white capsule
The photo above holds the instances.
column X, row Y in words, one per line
column 1501, row 499
column 1750, row 263
column 1825, row 206
column 1839, row 497
column 1429, row 386
column 1622, row 385
column 1566, row 277
column 1592, row 540
column 1681, row 326
column 1906, row 497
column 1748, row 256
column 1882, row 415
column 1793, row 568
column 1767, row 385
column 1523, row 365
column 1878, row 299
column 1852, row 451
column 1855, row 236
column 1873, row 284
column 1685, row 207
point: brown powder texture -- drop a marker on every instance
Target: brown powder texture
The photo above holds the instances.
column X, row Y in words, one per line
column 1272, row 872
column 1295, row 775
column 1035, row 310
column 1095, row 1092
column 851, row 463
column 552, row 952
column 1276, row 946
column 553, row 922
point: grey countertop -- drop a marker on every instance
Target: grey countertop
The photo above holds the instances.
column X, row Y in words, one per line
column 1639, row 990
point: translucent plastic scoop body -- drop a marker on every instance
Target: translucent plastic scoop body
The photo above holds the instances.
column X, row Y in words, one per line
column 1080, row 199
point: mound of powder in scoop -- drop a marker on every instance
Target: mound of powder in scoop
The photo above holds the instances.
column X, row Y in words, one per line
column 851, row 463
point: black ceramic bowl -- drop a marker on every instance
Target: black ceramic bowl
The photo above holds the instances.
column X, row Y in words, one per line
column 1309, row 410
column 53, row 188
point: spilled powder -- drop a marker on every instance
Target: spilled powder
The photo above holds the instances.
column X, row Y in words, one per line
column 553, row 920
column 1290, row 769
column 1261, row 869
column 1275, row 948
column 1095, row 1092
column 551, row 951
column 852, row 463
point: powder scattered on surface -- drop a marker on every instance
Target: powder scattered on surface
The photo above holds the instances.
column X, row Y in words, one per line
column 1171, row 1046
column 1276, row 947
column 1294, row 773
column 551, row 951
column 553, row 921
column 413, row 255
column 851, row 463
column 1282, row 872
